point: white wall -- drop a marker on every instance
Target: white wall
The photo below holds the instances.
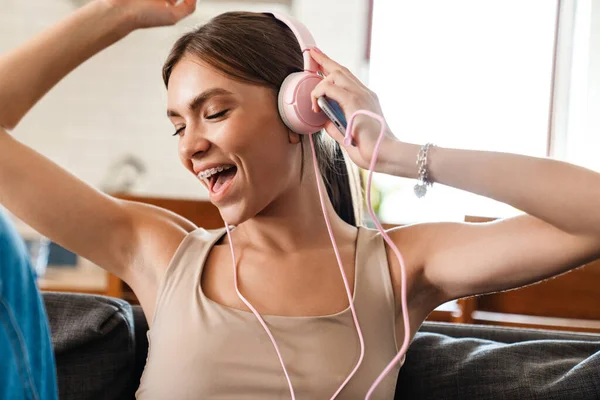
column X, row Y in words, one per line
column 115, row 104
column 339, row 28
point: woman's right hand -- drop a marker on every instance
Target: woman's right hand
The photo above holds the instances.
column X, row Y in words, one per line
column 153, row 13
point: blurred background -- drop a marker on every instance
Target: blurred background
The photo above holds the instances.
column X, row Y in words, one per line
column 510, row 75
column 521, row 76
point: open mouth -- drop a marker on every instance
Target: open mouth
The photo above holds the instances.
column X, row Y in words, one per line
column 217, row 179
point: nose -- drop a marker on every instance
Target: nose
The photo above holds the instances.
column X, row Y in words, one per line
column 193, row 144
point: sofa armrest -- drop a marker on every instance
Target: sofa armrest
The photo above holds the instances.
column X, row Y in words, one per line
column 94, row 345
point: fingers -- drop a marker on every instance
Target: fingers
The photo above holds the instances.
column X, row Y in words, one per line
column 181, row 8
column 330, row 90
column 331, row 67
column 336, row 75
column 339, row 87
column 336, row 79
column 341, row 79
column 326, row 63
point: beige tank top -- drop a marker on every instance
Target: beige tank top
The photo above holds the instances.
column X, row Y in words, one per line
column 200, row 349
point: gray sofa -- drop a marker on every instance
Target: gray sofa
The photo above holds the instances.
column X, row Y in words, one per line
column 101, row 346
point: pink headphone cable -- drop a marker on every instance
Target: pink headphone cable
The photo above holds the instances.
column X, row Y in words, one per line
column 404, row 347
column 344, row 278
column 256, row 314
column 403, row 301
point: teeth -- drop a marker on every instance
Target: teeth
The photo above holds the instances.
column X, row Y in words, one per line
column 207, row 173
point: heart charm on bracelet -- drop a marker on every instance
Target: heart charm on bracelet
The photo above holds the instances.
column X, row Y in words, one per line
column 420, row 189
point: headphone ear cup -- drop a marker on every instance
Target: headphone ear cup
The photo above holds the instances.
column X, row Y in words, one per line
column 295, row 106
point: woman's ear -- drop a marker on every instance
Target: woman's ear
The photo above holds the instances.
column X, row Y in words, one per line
column 293, row 137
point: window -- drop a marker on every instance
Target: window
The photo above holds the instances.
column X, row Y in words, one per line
column 467, row 74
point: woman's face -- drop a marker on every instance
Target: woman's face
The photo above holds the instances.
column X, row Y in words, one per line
column 232, row 138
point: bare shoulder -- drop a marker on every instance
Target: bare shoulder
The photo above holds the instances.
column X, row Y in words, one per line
column 413, row 243
column 417, row 242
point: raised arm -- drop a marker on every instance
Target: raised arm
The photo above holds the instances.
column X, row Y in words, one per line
column 560, row 231
column 103, row 229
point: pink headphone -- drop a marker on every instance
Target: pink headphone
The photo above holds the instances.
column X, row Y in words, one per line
column 294, row 100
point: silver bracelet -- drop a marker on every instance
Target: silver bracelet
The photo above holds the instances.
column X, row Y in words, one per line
column 422, row 171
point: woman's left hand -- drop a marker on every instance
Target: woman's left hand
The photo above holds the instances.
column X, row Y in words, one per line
column 349, row 92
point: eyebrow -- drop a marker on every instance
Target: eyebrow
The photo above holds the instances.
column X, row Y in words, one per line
column 200, row 99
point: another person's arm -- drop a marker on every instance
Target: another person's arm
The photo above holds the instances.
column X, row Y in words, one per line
column 96, row 226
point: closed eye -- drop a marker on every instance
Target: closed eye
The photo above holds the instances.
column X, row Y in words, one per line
column 213, row 116
column 178, row 131
column 218, row 115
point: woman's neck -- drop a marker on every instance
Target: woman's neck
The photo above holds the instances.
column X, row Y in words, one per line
column 295, row 221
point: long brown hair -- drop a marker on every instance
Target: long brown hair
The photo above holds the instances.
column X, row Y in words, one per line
column 259, row 49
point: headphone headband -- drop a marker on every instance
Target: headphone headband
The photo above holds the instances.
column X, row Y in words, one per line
column 305, row 39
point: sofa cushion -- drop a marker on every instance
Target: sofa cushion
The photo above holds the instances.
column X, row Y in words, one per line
column 95, row 347
column 439, row 366
column 94, row 344
column 504, row 334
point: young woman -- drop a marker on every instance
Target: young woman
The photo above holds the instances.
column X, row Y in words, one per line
column 222, row 83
